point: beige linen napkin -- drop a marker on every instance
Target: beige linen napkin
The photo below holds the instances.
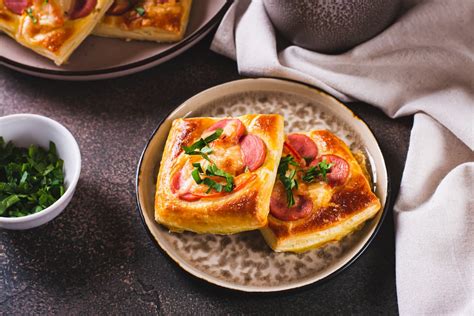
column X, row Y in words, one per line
column 424, row 65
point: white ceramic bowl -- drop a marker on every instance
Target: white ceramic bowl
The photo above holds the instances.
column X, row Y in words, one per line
column 27, row 129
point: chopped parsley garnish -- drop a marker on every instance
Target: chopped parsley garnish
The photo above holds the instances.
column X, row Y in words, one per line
column 201, row 146
column 29, row 12
column 288, row 179
column 321, row 169
column 31, row 179
column 140, row 11
column 213, row 170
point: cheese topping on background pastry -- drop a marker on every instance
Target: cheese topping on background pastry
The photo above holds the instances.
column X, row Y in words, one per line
column 153, row 20
column 52, row 28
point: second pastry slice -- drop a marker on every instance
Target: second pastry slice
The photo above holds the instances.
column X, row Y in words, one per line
column 150, row 20
column 322, row 193
column 51, row 28
column 217, row 174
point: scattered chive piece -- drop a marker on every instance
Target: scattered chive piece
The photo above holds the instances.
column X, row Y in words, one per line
column 29, row 12
column 214, row 136
column 198, row 166
column 212, row 185
column 213, row 170
column 315, row 171
column 31, row 179
column 201, row 147
column 289, row 181
column 140, row 11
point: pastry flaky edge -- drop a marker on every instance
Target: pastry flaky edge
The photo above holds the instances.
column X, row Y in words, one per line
column 246, row 209
column 11, row 24
column 110, row 26
column 344, row 210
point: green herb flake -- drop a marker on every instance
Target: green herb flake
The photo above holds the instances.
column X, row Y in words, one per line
column 212, row 185
column 29, row 12
column 196, row 176
column 31, row 179
column 140, row 11
column 321, row 169
column 288, row 179
column 201, row 147
column 213, row 170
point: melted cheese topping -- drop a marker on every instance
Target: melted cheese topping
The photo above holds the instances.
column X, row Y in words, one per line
column 228, row 159
column 44, row 26
column 166, row 16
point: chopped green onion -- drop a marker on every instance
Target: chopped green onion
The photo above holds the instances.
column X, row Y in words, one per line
column 140, row 11
column 289, row 182
column 315, row 171
column 31, row 179
column 201, row 147
column 29, row 12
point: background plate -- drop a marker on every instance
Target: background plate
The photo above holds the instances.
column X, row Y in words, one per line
column 101, row 58
column 243, row 261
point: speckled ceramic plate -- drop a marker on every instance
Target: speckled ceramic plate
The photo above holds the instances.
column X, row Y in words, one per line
column 243, row 261
column 102, row 58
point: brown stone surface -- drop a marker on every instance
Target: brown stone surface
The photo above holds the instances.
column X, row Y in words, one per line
column 97, row 258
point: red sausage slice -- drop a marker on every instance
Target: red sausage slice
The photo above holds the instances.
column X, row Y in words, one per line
column 279, row 205
column 175, row 186
column 339, row 171
column 253, row 151
column 189, row 197
column 287, row 147
column 16, row 6
column 231, row 127
column 82, row 8
column 120, row 7
column 304, row 145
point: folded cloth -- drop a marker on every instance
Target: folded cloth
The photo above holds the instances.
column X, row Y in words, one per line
column 423, row 64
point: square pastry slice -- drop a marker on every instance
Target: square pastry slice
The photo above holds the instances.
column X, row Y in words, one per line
column 151, row 20
column 217, row 174
column 322, row 193
column 52, row 28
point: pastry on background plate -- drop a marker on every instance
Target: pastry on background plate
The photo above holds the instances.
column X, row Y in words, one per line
column 151, row 20
column 321, row 193
column 51, row 28
column 217, row 174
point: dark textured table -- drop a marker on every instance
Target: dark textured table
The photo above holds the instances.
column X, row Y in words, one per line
column 96, row 256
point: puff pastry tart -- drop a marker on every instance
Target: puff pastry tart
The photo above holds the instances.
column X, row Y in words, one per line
column 151, row 20
column 322, row 193
column 52, row 28
column 216, row 175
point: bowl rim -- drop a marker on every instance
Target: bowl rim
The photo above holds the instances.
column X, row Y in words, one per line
column 75, row 176
column 195, row 36
column 240, row 288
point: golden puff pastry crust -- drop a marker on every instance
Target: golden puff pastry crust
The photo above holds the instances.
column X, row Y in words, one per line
column 150, row 20
column 242, row 210
column 337, row 210
column 46, row 28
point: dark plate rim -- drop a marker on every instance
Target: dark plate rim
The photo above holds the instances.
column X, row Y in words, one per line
column 318, row 282
column 185, row 42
